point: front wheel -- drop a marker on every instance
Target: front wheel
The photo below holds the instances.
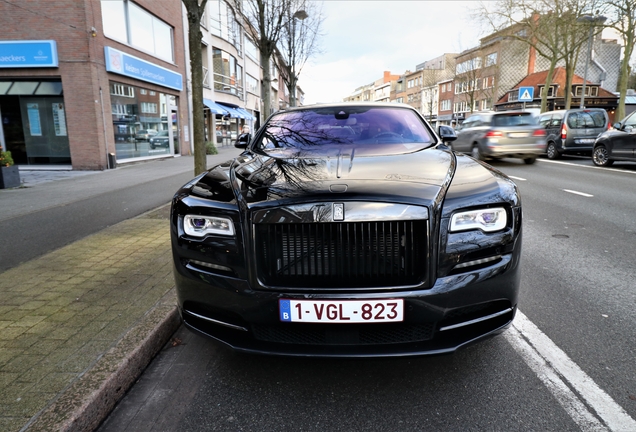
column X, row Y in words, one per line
column 600, row 156
column 552, row 151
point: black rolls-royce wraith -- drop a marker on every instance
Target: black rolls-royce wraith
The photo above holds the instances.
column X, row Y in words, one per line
column 347, row 230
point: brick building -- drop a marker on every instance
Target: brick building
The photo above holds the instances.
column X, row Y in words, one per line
column 79, row 80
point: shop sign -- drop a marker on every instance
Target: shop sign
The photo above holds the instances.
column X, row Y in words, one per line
column 28, row 54
column 125, row 64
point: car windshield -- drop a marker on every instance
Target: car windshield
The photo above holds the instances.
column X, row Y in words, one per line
column 334, row 126
column 162, row 133
column 516, row 119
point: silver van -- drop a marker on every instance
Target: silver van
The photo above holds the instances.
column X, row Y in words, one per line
column 573, row 131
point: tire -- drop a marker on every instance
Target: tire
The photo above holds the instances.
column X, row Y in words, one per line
column 552, row 151
column 475, row 153
column 600, row 156
column 530, row 160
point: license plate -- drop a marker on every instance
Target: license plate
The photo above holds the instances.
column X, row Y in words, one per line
column 518, row 134
column 587, row 141
column 345, row 311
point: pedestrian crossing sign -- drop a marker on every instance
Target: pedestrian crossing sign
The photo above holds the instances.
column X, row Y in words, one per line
column 526, row 94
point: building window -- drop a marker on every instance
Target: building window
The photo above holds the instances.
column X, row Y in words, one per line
column 126, row 22
column 589, row 91
column 251, row 84
column 136, row 121
column 251, row 51
column 445, row 105
column 122, row 90
column 513, row 95
column 551, row 91
column 149, row 107
column 491, row 59
column 223, row 23
column 228, row 74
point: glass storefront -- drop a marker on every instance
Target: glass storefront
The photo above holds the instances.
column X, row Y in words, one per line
column 145, row 122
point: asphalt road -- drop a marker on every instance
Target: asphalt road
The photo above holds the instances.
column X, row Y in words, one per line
column 567, row 364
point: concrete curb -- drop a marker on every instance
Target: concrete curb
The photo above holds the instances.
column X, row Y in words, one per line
column 91, row 398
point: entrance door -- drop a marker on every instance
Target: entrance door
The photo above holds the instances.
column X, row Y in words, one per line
column 44, row 127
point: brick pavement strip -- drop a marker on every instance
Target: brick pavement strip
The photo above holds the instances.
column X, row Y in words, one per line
column 81, row 323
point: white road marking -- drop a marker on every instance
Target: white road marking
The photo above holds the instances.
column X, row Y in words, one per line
column 517, row 178
column 578, row 193
column 588, row 166
column 565, row 379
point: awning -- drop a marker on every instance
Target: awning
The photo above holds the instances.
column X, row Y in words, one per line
column 214, row 107
column 234, row 112
column 247, row 114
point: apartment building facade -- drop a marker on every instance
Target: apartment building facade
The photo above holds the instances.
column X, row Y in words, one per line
column 82, row 82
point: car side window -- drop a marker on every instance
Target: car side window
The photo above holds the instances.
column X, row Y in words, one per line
column 575, row 121
column 545, row 120
column 556, row 121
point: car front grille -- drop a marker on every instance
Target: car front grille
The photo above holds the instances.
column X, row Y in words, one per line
column 345, row 334
column 342, row 254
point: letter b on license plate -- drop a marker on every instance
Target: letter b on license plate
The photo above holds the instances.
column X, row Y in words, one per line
column 345, row 311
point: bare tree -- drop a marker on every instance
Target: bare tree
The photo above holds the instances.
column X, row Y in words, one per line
column 623, row 20
column 299, row 42
column 548, row 26
column 195, row 10
column 267, row 21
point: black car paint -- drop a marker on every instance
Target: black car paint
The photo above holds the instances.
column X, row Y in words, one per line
column 433, row 177
column 618, row 144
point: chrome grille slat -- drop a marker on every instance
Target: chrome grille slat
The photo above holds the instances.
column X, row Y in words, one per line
column 342, row 254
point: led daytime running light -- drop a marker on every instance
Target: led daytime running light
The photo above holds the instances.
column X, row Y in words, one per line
column 487, row 220
column 200, row 226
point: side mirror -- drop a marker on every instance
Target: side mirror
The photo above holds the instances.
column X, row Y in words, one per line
column 617, row 126
column 446, row 133
column 242, row 141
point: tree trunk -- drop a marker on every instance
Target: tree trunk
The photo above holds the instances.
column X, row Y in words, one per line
column 548, row 83
column 624, row 78
column 196, row 69
column 266, row 87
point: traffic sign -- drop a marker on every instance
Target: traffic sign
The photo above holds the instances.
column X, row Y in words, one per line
column 526, row 94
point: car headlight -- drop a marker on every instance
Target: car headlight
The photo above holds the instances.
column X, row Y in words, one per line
column 488, row 220
column 200, row 226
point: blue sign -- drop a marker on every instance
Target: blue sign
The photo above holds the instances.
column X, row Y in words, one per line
column 124, row 64
column 28, row 54
column 526, row 94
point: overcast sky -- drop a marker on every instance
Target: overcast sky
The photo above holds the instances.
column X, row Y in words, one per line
column 362, row 39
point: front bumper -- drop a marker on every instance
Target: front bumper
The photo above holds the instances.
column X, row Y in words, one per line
column 457, row 311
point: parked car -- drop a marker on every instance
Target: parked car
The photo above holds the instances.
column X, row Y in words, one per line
column 505, row 134
column 162, row 139
column 145, row 134
column 347, row 230
column 617, row 144
column 573, row 131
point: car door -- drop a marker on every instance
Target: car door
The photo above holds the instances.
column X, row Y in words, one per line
column 624, row 141
column 464, row 135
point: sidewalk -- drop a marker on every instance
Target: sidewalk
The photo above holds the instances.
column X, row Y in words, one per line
column 78, row 325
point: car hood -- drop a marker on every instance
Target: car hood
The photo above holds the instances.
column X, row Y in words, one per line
column 409, row 175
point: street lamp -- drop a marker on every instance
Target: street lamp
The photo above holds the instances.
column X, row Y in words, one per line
column 299, row 15
column 592, row 21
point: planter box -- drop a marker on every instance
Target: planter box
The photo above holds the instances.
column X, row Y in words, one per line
column 9, row 177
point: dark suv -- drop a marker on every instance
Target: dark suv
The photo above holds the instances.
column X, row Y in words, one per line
column 618, row 144
column 573, row 131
